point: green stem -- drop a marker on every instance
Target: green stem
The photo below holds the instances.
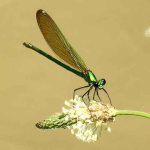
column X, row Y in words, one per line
column 59, row 121
column 131, row 112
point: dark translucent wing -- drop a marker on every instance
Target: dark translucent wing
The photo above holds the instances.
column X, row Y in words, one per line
column 58, row 42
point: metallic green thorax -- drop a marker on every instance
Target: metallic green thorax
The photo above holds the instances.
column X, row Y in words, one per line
column 90, row 77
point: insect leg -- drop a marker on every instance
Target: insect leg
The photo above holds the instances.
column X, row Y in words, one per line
column 98, row 94
column 79, row 89
column 107, row 95
column 87, row 91
column 88, row 95
column 94, row 93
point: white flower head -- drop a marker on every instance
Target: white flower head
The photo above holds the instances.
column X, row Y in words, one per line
column 90, row 119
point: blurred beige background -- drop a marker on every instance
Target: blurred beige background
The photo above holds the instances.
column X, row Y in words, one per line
column 109, row 36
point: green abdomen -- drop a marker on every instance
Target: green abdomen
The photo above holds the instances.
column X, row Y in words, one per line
column 89, row 77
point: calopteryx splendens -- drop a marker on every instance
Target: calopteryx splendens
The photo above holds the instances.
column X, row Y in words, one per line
column 65, row 51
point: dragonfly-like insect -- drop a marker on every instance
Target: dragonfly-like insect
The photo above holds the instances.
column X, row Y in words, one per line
column 65, row 51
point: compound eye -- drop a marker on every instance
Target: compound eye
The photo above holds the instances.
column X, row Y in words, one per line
column 103, row 82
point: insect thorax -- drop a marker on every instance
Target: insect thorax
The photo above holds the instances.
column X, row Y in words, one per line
column 89, row 76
